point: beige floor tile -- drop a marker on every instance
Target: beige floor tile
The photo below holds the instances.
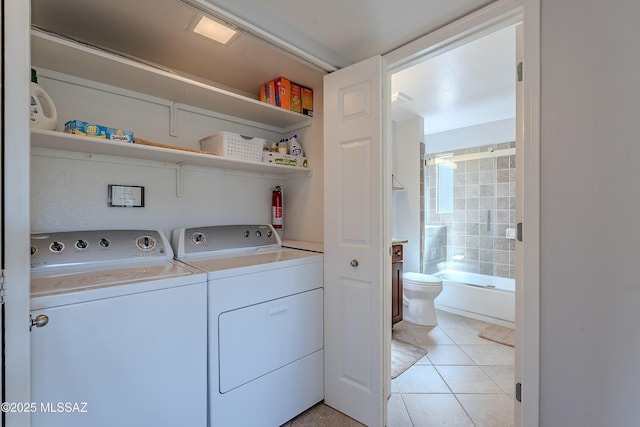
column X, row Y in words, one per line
column 430, row 410
column 421, row 379
column 490, row 354
column 503, row 376
column 424, row 360
column 450, row 320
column 467, row 379
column 433, row 336
column 419, row 335
column 464, row 336
column 488, row 410
column 448, row 355
column 394, row 386
column 397, row 412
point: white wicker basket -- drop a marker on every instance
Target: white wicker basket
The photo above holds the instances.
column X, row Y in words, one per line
column 231, row 144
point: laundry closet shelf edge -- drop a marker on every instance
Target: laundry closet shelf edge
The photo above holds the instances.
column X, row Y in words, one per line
column 81, row 144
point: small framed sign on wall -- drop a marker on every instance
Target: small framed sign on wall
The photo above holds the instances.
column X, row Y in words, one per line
column 126, row 196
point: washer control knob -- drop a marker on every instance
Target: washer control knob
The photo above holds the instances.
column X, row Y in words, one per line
column 56, row 247
column 247, row 233
column 104, row 243
column 269, row 234
column 34, row 249
column 198, row 238
column 258, row 233
column 354, row 263
column 40, row 321
column 82, row 244
column 146, row 243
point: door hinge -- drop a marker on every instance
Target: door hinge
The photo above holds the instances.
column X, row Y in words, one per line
column 520, row 71
column 519, row 232
column 2, row 287
column 519, row 392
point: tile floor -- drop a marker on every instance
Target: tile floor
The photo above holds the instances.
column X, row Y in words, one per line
column 463, row 380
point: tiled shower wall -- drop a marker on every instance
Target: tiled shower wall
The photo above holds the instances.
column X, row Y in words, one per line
column 485, row 189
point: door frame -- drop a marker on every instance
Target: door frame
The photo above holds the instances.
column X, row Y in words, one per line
column 2, row 263
column 15, row 214
column 495, row 16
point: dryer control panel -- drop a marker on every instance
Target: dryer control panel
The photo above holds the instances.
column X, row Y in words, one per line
column 216, row 238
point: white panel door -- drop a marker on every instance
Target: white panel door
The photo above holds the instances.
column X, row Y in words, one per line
column 355, row 262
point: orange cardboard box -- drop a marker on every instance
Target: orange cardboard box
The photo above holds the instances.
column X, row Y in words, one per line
column 263, row 92
column 283, row 93
column 307, row 101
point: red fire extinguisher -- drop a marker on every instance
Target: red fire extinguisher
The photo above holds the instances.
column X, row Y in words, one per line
column 276, row 208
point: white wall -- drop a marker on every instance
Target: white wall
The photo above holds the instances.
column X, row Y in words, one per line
column 407, row 135
column 494, row 132
column 69, row 190
column 590, row 200
column 304, row 198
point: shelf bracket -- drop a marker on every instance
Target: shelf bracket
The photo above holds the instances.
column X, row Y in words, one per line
column 179, row 181
column 173, row 119
column 396, row 185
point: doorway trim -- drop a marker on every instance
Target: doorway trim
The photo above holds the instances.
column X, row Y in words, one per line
column 15, row 215
column 495, row 16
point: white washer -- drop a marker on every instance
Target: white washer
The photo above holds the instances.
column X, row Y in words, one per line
column 265, row 323
column 123, row 332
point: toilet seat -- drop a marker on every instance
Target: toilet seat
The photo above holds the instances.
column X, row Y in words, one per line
column 420, row 279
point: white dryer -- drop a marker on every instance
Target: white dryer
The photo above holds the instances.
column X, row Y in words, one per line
column 265, row 323
column 119, row 331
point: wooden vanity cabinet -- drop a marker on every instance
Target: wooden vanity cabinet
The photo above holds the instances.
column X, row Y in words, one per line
column 396, row 284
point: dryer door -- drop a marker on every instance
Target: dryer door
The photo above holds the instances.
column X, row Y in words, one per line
column 261, row 338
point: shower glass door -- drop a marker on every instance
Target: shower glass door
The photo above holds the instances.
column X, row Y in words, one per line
column 469, row 213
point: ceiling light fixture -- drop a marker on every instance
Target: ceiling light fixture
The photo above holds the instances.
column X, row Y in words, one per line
column 399, row 98
column 212, row 29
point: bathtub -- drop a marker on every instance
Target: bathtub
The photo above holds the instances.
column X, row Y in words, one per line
column 482, row 297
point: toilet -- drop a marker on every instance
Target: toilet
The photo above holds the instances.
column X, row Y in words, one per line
column 419, row 291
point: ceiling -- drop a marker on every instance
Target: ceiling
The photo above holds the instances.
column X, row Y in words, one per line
column 471, row 85
column 343, row 32
column 333, row 33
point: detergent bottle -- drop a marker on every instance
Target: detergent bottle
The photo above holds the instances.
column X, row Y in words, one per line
column 42, row 112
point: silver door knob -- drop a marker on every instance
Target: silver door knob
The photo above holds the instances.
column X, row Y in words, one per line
column 39, row 321
column 354, row 263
